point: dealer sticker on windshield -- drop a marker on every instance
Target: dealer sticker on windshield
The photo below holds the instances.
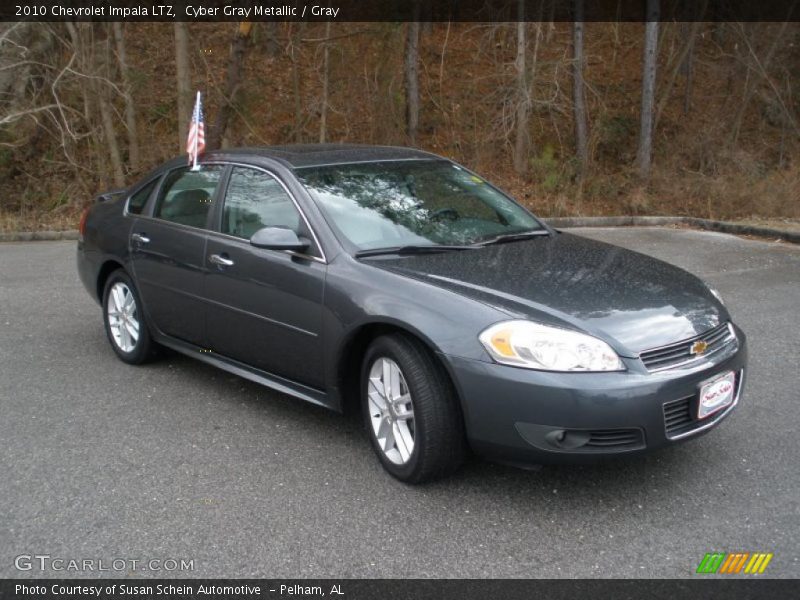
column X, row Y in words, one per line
column 716, row 394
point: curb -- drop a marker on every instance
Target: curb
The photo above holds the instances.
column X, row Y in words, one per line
column 612, row 221
column 36, row 236
column 566, row 222
column 707, row 224
column 738, row 228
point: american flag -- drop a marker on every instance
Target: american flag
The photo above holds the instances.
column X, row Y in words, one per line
column 196, row 141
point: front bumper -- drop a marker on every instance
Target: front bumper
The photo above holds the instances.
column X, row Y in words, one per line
column 532, row 417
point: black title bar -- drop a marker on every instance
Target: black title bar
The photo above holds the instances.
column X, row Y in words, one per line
column 738, row 587
column 398, row 10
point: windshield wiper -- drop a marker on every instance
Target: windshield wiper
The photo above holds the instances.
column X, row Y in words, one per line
column 514, row 237
column 432, row 249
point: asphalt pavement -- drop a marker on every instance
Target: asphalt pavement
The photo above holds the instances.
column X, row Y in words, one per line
column 177, row 460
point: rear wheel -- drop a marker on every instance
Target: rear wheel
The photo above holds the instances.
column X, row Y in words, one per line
column 124, row 320
column 411, row 410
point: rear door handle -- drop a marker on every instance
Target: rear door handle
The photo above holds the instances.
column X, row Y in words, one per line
column 141, row 238
column 220, row 260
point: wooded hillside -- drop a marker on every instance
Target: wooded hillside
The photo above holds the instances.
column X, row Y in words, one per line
column 557, row 113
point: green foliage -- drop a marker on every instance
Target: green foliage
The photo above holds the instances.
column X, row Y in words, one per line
column 139, row 79
column 6, row 157
column 60, row 199
column 549, row 171
column 160, row 111
column 616, row 136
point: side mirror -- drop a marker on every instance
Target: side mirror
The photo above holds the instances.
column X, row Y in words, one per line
column 278, row 238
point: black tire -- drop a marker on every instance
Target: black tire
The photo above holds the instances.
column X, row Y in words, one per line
column 144, row 349
column 439, row 439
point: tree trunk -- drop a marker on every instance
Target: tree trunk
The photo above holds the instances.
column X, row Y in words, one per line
column 581, row 137
column 323, row 116
column 412, row 81
column 750, row 84
column 96, row 157
column 184, row 82
column 523, row 101
column 298, row 103
column 645, row 151
column 680, row 65
column 273, row 45
column 232, row 80
column 130, row 106
column 687, row 70
column 101, row 69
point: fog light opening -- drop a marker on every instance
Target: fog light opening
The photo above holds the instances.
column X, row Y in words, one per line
column 561, row 438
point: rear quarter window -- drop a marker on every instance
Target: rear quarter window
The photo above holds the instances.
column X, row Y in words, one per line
column 138, row 200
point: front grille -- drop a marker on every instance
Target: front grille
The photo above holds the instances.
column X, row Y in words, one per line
column 680, row 353
column 678, row 416
column 609, row 439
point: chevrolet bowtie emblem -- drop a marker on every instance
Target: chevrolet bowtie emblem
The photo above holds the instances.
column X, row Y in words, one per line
column 699, row 347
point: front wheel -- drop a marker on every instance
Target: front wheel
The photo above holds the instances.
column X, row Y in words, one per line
column 124, row 320
column 411, row 410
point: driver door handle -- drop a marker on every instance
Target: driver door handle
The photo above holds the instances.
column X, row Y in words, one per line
column 220, row 260
column 138, row 237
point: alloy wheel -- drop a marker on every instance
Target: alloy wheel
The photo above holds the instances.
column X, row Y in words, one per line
column 123, row 320
column 391, row 410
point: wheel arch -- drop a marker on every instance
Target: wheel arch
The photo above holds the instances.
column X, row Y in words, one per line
column 106, row 269
column 353, row 349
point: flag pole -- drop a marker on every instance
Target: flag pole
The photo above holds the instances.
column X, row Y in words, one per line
column 196, row 118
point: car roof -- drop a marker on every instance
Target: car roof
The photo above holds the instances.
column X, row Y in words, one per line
column 315, row 155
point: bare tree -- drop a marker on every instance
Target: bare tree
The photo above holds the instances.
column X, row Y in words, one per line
column 293, row 50
column 101, row 76
column 522, row 140
column 271, row 41
column 184, row 81
column 579, row 101
column 323, row 114
column 233, row 77
column 682, row 64
column 21, row 46
column 760, row 66
column 412, row 78
column 687, row 65
column 645, row 150
column 130, row 105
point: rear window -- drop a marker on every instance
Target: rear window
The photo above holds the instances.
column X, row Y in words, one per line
column 185, row 196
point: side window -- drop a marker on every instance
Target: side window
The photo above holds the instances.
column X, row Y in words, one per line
column 185, row 196
column 254, row 200
column 139, row 199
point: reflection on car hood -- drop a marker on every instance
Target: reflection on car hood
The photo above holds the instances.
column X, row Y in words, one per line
column 633, row 301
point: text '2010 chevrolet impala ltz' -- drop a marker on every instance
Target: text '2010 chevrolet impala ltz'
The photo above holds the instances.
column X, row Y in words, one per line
column 401, row 283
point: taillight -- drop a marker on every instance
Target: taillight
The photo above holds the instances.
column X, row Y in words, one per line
column 82, row 222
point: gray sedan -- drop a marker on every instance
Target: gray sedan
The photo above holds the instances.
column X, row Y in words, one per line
column 400, row 284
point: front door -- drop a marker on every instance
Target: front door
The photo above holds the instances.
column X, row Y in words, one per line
column 168, row 252
column 265, row 306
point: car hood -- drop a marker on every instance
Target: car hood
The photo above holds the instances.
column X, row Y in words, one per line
column 632, row 301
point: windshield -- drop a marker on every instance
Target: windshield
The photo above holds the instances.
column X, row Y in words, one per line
column 407, row 203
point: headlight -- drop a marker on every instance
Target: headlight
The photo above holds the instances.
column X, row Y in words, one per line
column 534, row 346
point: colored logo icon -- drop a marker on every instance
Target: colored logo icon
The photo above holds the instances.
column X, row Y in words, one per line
column 723, row 563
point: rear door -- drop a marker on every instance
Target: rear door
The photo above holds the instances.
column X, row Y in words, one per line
column 265, row 306
column 168, row 250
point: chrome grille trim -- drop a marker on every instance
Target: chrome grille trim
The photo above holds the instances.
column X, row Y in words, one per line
column 673, row 356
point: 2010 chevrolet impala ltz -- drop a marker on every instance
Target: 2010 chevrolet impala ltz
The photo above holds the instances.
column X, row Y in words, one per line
column 398, row 282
